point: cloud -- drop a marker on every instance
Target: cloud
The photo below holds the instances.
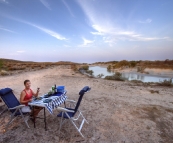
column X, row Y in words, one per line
column 4, row 1
column 86, row 42
column 48, row 31
column 45, row 30
column 20, row 51
column 112, row 35
column 46, row 4
column 146, row 21
column 110, row 32
column 68, row 8
column 4, row 29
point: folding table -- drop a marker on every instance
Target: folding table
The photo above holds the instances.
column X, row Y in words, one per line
column 56, row 100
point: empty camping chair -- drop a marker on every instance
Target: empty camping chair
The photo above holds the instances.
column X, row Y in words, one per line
column 69, row 113
column 12, row 104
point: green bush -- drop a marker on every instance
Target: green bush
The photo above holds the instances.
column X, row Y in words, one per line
column 90, row 72
column 100, row 75
column 166, row 82
column 1, row 64
column 86, row 67
column 109, row 67
column 133, row 63
column 121, row 64
column 116, row 76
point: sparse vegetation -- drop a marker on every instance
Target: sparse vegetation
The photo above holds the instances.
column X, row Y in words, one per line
column 167, row 64
column 154, row 91
column 109, row 67
column 132, row 64
column 74, row 67
column 3, row 73
column 1, row 64
column 140, row 69
column 166, row 82
column 14, row 66
column 85, row 67
column 116, row 76
column 89, row 72
column 100, row 75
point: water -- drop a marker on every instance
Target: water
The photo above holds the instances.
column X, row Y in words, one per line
column 128, row 75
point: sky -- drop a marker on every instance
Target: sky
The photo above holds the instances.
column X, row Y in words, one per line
column 86, row 30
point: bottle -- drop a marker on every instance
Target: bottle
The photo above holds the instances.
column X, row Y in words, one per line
column 55, row 89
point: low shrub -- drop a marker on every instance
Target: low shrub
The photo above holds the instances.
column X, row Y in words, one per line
column 166, row 82
column 118, row 74
column 1, row 63
column 100, row 75
column 90, row 72
column 3, row 72
column 136, row 81
column 154, row 91
column 16, row 68
column 109, row 67
column 115, row 77
column 133, row 63
column 74, row 67
column 140, row 69
column 85, row 67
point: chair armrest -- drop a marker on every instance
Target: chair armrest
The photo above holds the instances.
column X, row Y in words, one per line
column 17, row 107
column 68, row 100
column 64, row 109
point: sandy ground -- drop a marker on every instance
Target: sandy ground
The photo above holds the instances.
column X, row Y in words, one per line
column 117, row 112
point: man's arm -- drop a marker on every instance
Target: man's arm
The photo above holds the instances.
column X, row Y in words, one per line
column 22, row 96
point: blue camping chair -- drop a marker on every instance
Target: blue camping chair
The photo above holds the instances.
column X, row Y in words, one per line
column 69, row 113
column 13, row 105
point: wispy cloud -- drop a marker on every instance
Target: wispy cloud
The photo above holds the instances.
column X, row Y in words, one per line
column 46, row 4
column 4, row 29
column 146, row 21
column 48, row 31
column 110, row 32
column 86, row 42
column 68, row 8
column 43, row 29
column 4, row 1
column 112, row 35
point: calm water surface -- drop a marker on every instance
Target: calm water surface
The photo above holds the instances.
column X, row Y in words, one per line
column 128, row 75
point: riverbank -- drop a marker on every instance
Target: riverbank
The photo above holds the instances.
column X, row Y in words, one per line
column 148, row 75
column 116, row 111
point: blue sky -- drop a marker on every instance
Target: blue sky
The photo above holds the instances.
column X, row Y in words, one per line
column 86, row 30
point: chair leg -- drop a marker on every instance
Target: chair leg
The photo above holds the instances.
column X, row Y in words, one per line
column 84, row 118
column 24, row 118
column 11, row 120
column 61, row 122
column 77, row 128
column 3, row 111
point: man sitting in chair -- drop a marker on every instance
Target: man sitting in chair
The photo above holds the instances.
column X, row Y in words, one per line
column 26, row 96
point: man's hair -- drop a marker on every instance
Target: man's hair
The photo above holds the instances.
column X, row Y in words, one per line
column 26, row 81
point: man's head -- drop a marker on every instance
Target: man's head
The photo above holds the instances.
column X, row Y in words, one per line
column 27, row 84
